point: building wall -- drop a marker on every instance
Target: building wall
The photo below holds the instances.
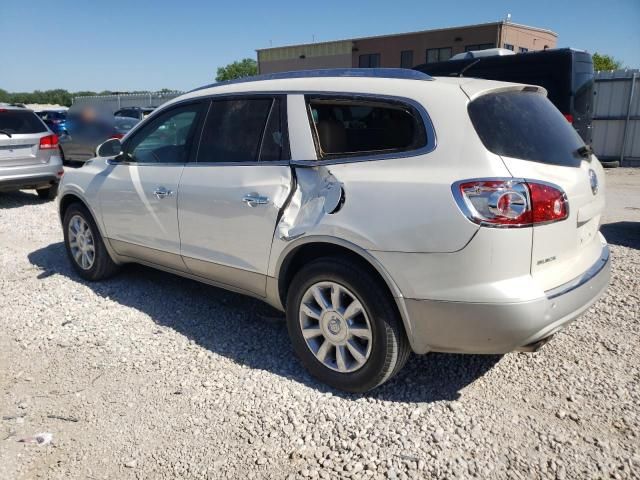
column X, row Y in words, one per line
column 522, row 37
column 309, row 63
column 389, row 47
column 346, row 53
column 303, row 57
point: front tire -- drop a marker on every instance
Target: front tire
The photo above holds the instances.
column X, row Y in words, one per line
column 344, row 325
column 85, row 247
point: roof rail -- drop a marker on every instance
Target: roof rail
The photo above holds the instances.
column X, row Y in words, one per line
column 398, row 73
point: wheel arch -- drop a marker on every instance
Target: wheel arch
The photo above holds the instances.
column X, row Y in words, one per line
column 307, row 249
column 71, row 197
column 67, row 200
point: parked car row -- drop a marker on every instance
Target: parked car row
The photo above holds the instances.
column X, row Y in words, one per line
column 383, row 210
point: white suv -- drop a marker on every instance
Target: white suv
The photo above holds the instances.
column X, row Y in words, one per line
column 385, row 211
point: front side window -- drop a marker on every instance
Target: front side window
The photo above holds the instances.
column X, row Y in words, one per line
column 243, row 130
column 508, row 46
column 358, row 127
column 167, row 139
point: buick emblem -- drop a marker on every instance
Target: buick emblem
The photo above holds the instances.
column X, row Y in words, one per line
column 334, row 326
column 593, row 180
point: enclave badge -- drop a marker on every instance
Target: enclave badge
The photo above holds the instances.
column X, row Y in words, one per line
column 593, row 180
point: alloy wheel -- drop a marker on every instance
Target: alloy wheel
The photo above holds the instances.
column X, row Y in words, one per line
column 335, row 327
column 81, row 242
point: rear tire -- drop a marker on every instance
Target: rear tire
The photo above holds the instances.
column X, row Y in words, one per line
column 48, row 193
column 85, row 247
column 365, row 348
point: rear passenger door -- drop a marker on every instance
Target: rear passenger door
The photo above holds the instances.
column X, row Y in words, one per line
column 230, row 199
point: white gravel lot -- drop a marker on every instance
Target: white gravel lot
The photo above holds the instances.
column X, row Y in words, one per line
column 152, row 376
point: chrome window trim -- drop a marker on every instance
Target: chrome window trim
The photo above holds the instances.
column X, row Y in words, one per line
column 430, row 132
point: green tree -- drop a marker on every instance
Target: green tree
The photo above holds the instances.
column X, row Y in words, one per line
column 243, row 68
column 605, row 62
column 5, row 96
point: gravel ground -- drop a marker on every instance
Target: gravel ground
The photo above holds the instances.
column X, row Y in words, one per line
column 153, row 376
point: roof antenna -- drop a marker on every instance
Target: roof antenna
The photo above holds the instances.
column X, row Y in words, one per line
column 508, row 19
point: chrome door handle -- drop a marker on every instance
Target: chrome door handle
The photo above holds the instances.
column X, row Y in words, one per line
column 162, row 192
column 253, row 199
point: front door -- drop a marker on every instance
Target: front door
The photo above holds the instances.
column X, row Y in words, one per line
column 139, row 195
column 229, row 200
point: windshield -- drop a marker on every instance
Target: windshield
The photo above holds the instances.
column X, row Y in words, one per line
column 525, row 125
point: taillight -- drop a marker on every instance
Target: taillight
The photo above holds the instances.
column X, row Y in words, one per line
column 569, row 117
column 117, row 135
column 49, row 142
column 510, row 202
column 548, row 203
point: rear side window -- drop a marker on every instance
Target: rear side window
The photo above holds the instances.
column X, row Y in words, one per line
column 527, row 126
column 347, row 127
column 20, row 121
column 242, row 130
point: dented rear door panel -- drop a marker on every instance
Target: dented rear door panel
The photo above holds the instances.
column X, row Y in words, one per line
column 223, row 238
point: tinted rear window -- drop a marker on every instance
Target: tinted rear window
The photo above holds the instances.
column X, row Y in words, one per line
column 525, row 125
column 20, row 121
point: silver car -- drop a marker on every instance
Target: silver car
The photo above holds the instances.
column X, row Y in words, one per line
column 383, row 210
column 29, row 153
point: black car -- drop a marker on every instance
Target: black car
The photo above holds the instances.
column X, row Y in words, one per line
column 565, row 73
column 134, row 112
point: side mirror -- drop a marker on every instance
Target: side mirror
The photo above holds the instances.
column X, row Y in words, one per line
column 110, row 148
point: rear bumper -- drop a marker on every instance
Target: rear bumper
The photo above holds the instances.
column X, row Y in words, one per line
column 36, row 181
column 39, row 175
column 495, row 328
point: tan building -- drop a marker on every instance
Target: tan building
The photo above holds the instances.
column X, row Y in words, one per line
column 405, row 49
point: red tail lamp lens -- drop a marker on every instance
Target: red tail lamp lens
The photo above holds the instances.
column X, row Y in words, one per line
column 49, row 142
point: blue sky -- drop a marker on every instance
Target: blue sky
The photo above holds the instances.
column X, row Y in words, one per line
column 135, row 45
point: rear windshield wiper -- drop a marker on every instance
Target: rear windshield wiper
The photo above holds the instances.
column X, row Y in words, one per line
column 585, row 151
column 6, row 133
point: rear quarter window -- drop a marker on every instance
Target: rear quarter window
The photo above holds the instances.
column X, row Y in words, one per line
column 345, row 127
column 525, row 125
column 20, row 122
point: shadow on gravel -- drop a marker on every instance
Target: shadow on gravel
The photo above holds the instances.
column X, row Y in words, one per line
column 254, row 334
column 625, row 234
column 19, row 199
